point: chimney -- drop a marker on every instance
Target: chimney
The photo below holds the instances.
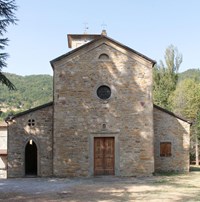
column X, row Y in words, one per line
column 104, row 33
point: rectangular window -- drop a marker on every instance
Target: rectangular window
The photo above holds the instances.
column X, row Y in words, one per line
column 165, row 149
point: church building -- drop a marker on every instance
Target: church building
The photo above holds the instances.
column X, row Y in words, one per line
column 102, row 120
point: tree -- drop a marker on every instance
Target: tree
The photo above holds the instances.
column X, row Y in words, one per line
column 197, row 137
column 7, row 17
column 185, row 101
column 165, row 77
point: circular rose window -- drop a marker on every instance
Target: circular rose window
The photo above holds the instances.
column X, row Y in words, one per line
column 103, row 92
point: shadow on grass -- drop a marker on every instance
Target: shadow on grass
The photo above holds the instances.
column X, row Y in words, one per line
column 168, row 173
column 194, row 168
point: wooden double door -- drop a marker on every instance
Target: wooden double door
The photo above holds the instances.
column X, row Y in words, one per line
column 104, row 155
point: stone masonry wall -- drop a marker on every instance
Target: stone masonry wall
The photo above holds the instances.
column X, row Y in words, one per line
column 79, row 114
column 168, row 128
column 19, row 133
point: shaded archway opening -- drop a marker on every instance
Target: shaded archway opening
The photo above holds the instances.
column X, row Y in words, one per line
column 31, row 158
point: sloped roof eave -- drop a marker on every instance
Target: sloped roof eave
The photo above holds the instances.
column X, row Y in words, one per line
column 9, row 118
column 95, row 40
column 172, row 114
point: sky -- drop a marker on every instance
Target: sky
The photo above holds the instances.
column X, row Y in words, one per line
column 147, row 26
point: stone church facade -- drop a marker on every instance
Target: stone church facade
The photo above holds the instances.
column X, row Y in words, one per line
column 102, row 120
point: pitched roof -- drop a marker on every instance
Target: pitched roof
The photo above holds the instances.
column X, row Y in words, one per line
column 28, row 111
column 172, row 114
column 98, row 39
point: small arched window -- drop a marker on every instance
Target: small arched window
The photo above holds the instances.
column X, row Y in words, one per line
column 103, row 56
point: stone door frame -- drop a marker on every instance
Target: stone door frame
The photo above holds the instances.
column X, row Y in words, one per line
column 91, row 151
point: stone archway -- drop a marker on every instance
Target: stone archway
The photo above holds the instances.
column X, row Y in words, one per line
column 31, row 158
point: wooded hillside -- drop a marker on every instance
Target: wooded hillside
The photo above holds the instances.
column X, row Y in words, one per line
column 35, row 90
column 190, row 73
column 32, row 91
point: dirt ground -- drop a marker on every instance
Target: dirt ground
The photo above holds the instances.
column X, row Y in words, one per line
column 183, row 187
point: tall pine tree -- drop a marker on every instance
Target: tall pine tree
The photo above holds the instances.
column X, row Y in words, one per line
column 7, row 17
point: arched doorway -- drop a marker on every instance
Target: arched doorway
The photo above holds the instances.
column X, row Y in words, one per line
column 31, row 158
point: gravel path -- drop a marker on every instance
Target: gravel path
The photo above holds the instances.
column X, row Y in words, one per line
column 103, row 189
